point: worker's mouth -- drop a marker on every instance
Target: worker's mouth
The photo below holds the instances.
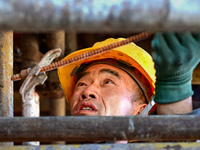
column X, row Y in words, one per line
column 85, row 107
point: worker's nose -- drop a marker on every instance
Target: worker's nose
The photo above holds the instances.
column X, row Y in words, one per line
column 92, row 91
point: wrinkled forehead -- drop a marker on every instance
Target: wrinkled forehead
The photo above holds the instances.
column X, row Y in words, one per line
column 111, row 67
column 100, row 69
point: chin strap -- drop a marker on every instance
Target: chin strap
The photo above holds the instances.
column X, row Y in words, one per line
column 146, row 110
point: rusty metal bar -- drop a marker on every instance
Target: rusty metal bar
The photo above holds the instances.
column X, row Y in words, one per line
column 99, row 128
column 30, row 55
column 100, row 15
column 56, row 96
column 71, row 42
column 6, row 70
column 57, row 101
column 57, row 104
column 96, row 51
column 55, row 40
column 132, row 146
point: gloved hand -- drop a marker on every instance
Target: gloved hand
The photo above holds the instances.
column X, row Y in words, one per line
column 175, row 56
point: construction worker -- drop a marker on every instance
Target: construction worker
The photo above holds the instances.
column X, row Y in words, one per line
column 118, row 82
column 122, row 81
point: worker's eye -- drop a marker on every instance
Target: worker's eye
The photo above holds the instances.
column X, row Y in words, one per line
column 108, row 81
column 81, row 84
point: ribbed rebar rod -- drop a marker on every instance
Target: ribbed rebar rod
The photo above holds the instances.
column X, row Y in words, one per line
column 98, row 128
column 85, row 55
column 100, row 15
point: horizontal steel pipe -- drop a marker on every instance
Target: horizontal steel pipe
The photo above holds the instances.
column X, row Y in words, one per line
column 132, row 146
column 96, row 128
column 100, row 15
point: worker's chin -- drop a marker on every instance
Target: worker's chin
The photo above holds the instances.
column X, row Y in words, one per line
column 86, row 113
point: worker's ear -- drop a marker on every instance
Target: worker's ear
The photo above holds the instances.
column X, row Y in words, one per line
column 142, row 106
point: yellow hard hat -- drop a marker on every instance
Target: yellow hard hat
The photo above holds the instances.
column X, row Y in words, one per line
column 130, row 53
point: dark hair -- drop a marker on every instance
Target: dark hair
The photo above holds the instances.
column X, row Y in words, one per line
column 139, row 97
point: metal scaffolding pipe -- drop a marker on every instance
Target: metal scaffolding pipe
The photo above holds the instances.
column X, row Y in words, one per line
column 99, row 128
column 6, row 85
column 31, row 55
column 130, row 146
column 6, row 71
column 57, row 101
column 100, row 15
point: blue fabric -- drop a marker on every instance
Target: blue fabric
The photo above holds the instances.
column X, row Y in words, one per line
column 194, row 112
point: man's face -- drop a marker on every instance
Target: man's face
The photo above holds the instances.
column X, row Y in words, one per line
column 104, row 90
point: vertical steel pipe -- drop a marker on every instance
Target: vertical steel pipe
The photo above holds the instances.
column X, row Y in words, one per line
column 56, row 96
column 55, row 40
column 71, row 42
column 57, row 101
column 6, row 71
column 31, row 55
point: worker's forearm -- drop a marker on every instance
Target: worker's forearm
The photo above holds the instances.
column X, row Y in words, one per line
column 180, row 107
